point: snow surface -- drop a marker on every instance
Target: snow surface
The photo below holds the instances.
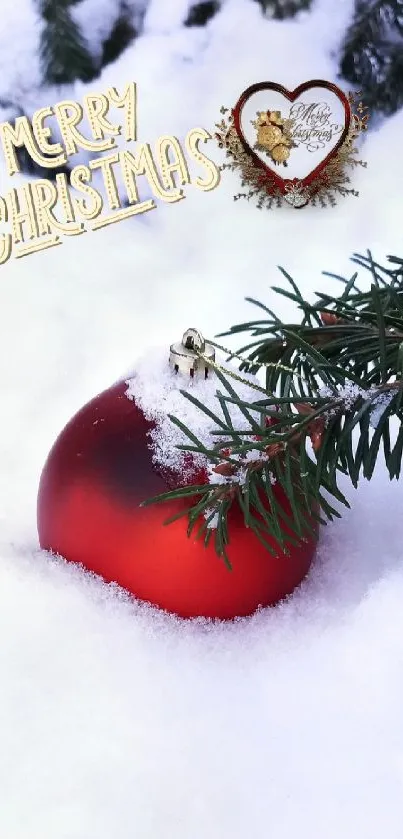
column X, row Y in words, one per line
column 156, row 390
column 116, row 720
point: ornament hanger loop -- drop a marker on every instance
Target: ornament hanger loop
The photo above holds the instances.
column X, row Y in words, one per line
column 193, row 340
column 192, row 356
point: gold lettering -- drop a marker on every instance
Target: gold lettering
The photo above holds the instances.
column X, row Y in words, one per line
column 143, row 164
column 65, row 198
column 45, row 196
column 78, row 179
column 105, row 165
column 168, row 167
column 43, row 132
column 128, row 100
column 96, row 107
column 68, row 115
column 6, row 241
column 19, row 216
column 213, row 178
column 21, row 135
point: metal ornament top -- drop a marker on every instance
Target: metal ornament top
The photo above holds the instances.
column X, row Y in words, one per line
column 185, row 356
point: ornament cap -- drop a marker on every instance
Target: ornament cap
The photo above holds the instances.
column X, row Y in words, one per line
column 192, row 356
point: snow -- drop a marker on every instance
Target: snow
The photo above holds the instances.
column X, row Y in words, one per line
column 96, row 19
column 156, row 390
column 20, row 31
column 380, row 405
column 120, row 721
column 347, row 395
column 116, row 720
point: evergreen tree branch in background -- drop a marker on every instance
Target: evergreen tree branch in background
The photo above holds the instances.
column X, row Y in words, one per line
column 372, row 54
column 333, row 384
column 201, row 13
column 281, row 9
column 64, row 52
column 126, row 29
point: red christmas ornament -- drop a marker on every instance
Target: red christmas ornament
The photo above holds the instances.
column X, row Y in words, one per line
column 96, row 476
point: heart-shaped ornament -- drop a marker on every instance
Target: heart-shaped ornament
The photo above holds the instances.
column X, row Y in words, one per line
column 292, row 135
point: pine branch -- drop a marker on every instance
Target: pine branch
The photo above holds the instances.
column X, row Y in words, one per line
column 201, row 13
column 346, row 362
column 281, row 9
column 372, row 53
column 65, row 53
column 126, row 29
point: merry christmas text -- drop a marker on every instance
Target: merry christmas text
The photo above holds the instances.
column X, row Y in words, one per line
column 312, row 125
column 38, row 213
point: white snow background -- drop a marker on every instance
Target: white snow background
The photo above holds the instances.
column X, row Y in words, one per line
column 117, row 721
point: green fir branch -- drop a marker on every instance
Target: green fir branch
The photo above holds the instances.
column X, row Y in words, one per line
column 372, row 53
column 282, row 9
column 333, row 386
column 64, row 52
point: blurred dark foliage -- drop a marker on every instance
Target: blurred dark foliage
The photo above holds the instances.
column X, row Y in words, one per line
column 123, row 33
column 372, row 54
column 64, row 51
column 201, row 13
column 281, row 9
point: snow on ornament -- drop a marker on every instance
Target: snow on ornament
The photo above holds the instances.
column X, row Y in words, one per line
column 122, row 449
column 156, row 388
